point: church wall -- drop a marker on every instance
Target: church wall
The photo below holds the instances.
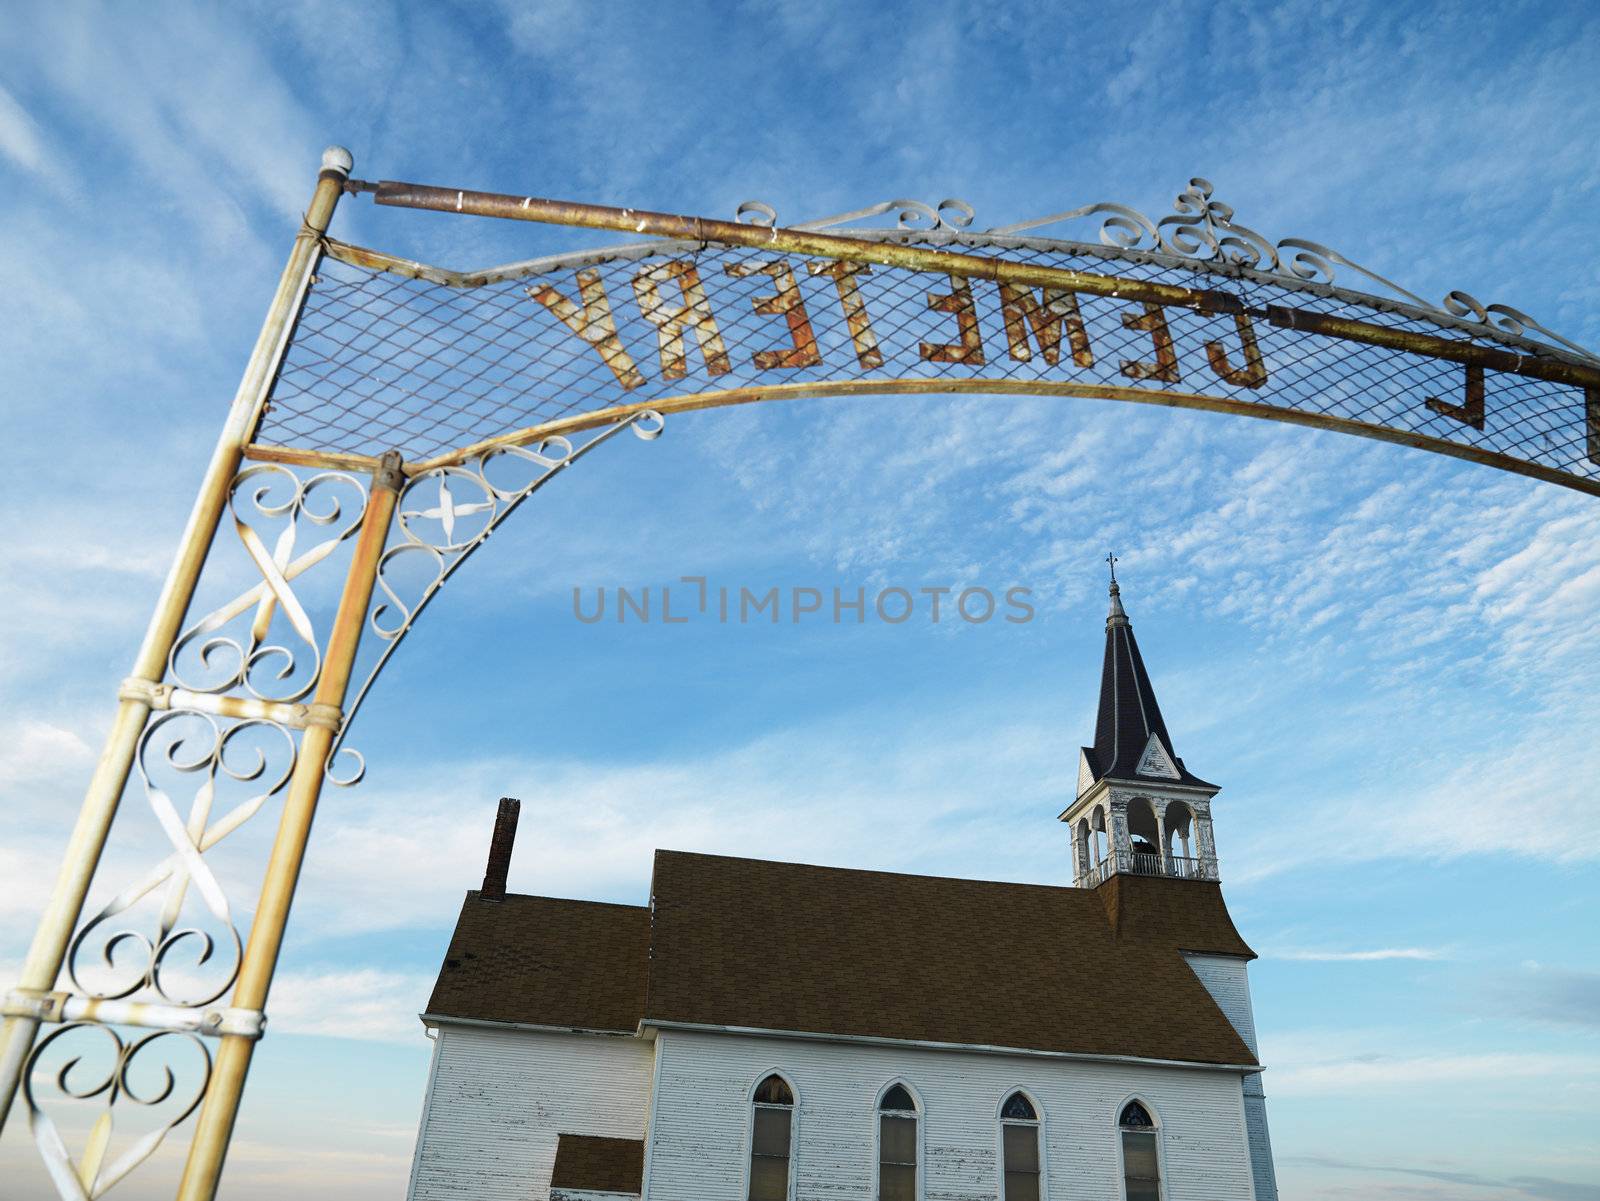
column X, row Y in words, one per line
column 699, row 1144
column 1255, row 1117
column 499, row 1098
column 1226, row 979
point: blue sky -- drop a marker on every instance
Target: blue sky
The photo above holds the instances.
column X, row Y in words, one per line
column 1388, row 660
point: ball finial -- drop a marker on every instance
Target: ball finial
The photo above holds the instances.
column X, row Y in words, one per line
column 337, row 158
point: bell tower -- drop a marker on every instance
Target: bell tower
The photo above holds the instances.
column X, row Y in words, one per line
column 1139, row 810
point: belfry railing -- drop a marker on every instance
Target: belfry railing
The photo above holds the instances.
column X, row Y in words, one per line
column 1178, row 867
column 1144, row 863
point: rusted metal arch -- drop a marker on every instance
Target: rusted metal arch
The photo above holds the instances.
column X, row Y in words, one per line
column 950, row 252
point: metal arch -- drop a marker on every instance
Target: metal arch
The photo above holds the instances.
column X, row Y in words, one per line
column 1437, row 353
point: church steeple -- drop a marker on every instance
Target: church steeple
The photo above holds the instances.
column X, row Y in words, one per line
column 1130, row 736
column 1139, row 809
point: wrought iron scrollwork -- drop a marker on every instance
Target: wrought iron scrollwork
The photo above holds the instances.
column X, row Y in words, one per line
column 444, row 515
column 185, row 744
column 90, row 1175
column 1203, row 229
column 949, row 215
column 271, row 670
column 1200, row 228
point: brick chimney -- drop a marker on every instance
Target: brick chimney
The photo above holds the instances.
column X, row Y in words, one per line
column 505, row 837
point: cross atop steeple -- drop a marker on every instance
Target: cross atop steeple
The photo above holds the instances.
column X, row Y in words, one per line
column 1116, row 617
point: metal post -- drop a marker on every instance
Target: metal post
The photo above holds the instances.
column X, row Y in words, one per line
column 56, row 924
column 221, row 1106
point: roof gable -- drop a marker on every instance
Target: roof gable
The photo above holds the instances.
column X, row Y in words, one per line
column 1086, row 773
column 1156, row 761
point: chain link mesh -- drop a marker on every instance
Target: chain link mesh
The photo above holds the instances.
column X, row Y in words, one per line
column 382, row 361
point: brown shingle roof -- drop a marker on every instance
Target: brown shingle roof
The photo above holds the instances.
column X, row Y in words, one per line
column 575, row 964
column 1187, row 914
column 784, row 946
column 599, row 1165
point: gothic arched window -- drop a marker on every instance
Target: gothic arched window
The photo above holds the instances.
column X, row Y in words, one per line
column 1141, row 1163
column 897, row 1145
column 1019, row 1146
column 771, row 1137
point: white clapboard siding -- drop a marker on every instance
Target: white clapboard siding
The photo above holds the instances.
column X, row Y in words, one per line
column 499, row 1098
column 1255, row 1117
column 1226, row 979
column 699, row 1140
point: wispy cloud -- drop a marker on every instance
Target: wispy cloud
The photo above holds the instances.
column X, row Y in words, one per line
column 361, row 1003
column 1397, row 1062
column 1375, row 955
column 1559, row 996
column 590, row 828
column 1541, row 1188
column 1414, row 1072
column 365, row 1168
column 34, row 752
column 20, row 138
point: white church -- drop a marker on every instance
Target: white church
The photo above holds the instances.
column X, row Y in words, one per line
column 767, row 1031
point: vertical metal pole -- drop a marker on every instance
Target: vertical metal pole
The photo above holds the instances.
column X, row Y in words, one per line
column 221, row 1106
column 82, row 856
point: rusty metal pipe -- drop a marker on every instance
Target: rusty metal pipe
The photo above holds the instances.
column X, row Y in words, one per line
column 1494, row 358
column 100, row 801
column 221, row 1107
column 1552, row 366
column 761, row 237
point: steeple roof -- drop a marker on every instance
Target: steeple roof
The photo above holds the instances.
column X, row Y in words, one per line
column 1130, row 737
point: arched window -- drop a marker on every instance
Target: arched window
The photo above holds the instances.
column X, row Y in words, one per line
column 897, row 1145
column 1019, row 1146
column 1141, row 1165
column 771, row 1136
